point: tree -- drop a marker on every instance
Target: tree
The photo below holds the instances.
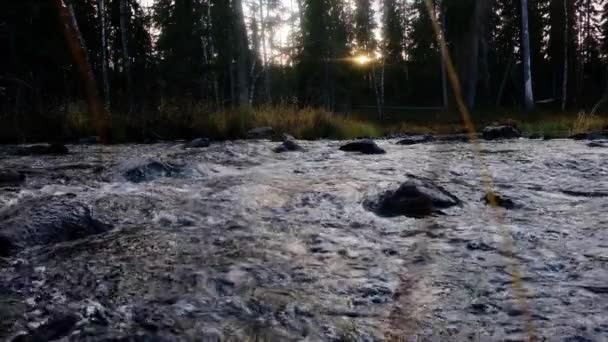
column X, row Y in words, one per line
column 125, row 15
column 241, row 54
column 364, row 26
column 101, row 13
column 528, row 97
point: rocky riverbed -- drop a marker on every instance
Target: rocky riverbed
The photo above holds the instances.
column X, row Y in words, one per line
column 237, row 242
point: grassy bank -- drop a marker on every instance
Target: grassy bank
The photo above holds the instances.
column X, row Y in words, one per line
column 175, row 120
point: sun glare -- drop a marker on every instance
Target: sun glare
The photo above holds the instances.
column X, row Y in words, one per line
column 362, row 59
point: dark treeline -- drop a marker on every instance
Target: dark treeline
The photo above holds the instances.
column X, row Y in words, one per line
column 218, row 54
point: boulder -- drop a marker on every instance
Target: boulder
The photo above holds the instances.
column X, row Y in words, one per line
column 45, row 220
column 150, row 170
column 417, row 139
column 10, row 177
column 600, row 135
column 48, row 149
column 414, row 198
column 365, row 146
column 260, row 133
column 501, row 201
column 198, row 143
column 288, row 146
column 500, row 132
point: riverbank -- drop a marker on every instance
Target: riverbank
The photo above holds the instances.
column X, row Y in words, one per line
column 184, row 122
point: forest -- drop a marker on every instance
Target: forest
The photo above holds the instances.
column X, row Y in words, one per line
column 173, row 68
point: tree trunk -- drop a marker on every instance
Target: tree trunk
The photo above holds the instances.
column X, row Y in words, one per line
column 241, row 54
column 124, row 37
column 444, row 82
column 101, row 7
column 565, row 72
column 481, row 12
column 264, row 54
column 75, row 45
column 525, row 37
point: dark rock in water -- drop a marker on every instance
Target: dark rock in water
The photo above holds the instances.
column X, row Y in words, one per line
column 35, row 150
column 288, row 146
column 535, row 136
column 500, row 132
column 287, row 137
column 418, row 139
column 365, row 146
column 414, row 198
column 598, row 144
column 58, row 326
column 89, row 140
column 198, row 143
column 590, row 136
column 151, row 170
column 548, row 137
column 454, row 138
column 260, row 133
column 501, row 201
column 46, row 220
column 10, row 177
column 478, row 246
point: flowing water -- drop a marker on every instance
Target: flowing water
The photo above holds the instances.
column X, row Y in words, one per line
column 235, row 242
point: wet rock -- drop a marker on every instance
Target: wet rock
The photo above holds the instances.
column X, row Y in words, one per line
column 198, row 143
column 418, row 139
column 10, row 177
column 479, row 246
column 501, row 201
column 89, row 140
column 365, row 146
column 288, row 146
column 38, row 150
column 598, row 144
column 151, row 170
column 287, row 137
column 45, row 220
column 414, row 198
column 535, row 136
column 59, row 325
column 260, row 133
column 500, row 132
column 600, row 135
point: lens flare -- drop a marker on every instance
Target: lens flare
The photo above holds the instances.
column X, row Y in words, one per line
column 363, row 60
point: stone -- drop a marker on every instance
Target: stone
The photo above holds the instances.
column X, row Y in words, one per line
column 288, row 146
column 501, row 201
column 260, row 133
column 600, row 135
column 59, row 325
column 10, row 177
column 151, row 170
column 414, row 198
column 417, row 139
column 198, row 143
column 500, row 132
column 40, row 150
column 454, row 138
column 45, row 220
column 364, row 146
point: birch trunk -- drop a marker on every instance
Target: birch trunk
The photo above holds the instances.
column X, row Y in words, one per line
column 525, row 37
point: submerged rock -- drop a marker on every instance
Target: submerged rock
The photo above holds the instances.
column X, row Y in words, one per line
column 49, row 149
column 454, row 138
column 45, row 220
column 151, row 170
column 260, row 133
column 417, row 139
column 501, row 201
column 500, row 132
column 598, row 144
column 10, row 177
column 198, row 143
column 364, row 146
column 415, row 198
column 59, row 325
column 288, row 146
